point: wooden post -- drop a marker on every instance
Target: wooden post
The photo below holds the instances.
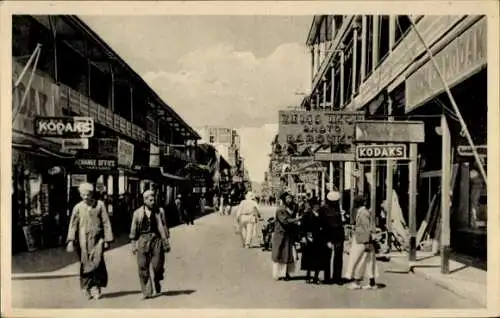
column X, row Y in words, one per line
column 313, row 61
column 373, row 189
column 392, row 32
column 330, row 179
column 353, row 191
column 389, row 185
column 342, row 79
column 412, row 205
column 317, row 58
column 341, row 181
column 333, row 87
column 361, row 181
column 445, row 196
column 354, row 61
column 54, row 42
column 323, row 185
column 375, row 41
column 364, row 30
column 324, row 94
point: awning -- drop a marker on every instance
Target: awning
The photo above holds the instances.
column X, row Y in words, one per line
column 39, row 150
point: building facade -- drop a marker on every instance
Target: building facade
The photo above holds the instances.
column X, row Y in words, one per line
column 133, row 140
column 379, row 65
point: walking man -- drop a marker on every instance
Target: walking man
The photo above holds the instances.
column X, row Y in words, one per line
column 90, row 228
column 149, row 237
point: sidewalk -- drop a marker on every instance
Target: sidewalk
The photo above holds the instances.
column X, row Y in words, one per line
column 463, row 280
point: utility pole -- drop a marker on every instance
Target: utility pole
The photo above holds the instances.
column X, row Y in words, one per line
column 445, row 196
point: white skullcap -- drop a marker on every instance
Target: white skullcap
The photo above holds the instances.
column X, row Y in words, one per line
column 249, row 195
column 148, row 193
column 85, row 187
column 333, row 196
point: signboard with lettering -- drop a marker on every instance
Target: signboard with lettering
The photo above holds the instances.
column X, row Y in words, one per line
column 325, row 156
column 381, row 152
column 116, row 122
column 107, row 147
column 84, row 106
column 64, row 127
column 96, row 164
column 75, row 144
column 390, row 131
column 125, row 153
column 466, row 151
column 317, row 127
column 123, row 125
column 42, row 99
column 463, row 57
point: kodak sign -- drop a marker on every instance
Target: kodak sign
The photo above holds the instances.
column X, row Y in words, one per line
column 381, row 152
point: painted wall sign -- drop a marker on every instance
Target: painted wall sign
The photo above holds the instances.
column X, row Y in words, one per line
column 64, row 127
column 42, row 100
column 154, row 155
column 463, row 57
column 381, row 152
column 96, row 164
column 319, row 127
column 393, row 131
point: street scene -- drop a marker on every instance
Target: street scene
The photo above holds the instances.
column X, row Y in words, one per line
column 291, row 162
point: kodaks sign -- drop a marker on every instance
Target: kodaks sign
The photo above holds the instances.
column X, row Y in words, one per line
column 381, row 152
column 64, row 127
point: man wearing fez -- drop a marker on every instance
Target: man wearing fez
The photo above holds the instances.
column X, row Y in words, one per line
column 149, row 237
column 90, row 228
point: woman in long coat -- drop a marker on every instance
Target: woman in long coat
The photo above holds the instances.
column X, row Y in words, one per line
column 90, row 229
column 283, row 243
column 314, row 249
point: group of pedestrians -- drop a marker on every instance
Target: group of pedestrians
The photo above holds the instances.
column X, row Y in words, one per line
column 90, row 233
column 318, row 235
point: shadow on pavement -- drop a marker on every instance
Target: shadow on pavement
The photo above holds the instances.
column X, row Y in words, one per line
column 53, row 259
column 121, row 294
column 178, row 292
column 41, row 276
column 137, row 292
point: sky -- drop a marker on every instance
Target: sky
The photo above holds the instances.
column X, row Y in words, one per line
column 229, row 71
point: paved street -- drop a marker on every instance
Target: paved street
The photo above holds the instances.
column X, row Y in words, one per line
column 208, row 268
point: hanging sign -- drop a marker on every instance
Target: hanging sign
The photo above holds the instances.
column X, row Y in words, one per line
column 381, row 152
column 77, row 179
column 64, row 127
column 317, row 127
column 154, row 155
column 326, row 156
column 75, row 144
column 466, row 151
column 463, row 57
column 125, row 153
column 390, row 131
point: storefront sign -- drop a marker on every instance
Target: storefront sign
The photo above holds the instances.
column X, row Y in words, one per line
column 42, row 99
column 101, row 114
column 116, row 122
column 109, row 118
column 75, row 144
column 96, row 164
column 463, row 57
column 317, row 127
column 77, row 179
column 393, row 131
column 466, row 151
column 107, row 147
column 381, row 152
column 64, row 127
column 93, row 112
column 125, row 153
column 123, row 125
column 322, row 156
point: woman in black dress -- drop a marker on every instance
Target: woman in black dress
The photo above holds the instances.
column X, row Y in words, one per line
column 314, row 245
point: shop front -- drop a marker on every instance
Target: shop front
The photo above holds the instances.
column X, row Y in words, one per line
column 463, row 63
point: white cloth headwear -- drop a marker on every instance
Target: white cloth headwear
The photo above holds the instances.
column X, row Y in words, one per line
column 249, row 195
column 148, row 193
column 85, row 187
column 333, row 196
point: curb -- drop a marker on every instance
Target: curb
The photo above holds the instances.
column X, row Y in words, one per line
column 463, row 293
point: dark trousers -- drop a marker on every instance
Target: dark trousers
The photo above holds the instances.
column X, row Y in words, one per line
column 338, row 262
column 150, row 253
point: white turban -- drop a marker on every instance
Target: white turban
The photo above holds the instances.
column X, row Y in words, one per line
column 85, row 187
column 250, row 195
column 148, row 193
column 333, row 196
